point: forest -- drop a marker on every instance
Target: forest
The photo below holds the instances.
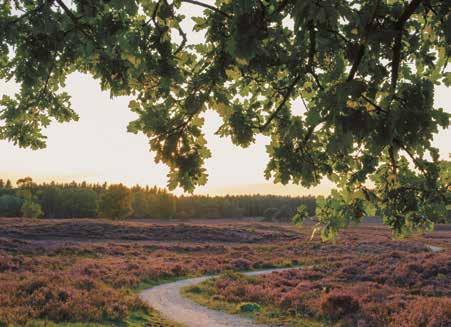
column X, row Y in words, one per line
column 117, row 201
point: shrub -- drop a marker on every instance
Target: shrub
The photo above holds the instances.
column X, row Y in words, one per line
column 31, row 209
column 241, row 264
column 424, row 312
column 336, row 304
column 249, row 307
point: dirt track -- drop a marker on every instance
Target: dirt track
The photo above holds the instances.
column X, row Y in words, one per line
column 166, row 298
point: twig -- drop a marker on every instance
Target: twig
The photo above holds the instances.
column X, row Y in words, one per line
column 281, row 104
column 198, row 3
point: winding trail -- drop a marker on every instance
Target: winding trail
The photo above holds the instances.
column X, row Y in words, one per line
column 434, row 249
column 167, row 299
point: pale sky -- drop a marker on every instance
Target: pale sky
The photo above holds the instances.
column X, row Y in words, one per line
column 98, row 148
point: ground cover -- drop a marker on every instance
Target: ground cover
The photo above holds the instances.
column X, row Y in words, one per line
column 362, row 281
column 88, row 271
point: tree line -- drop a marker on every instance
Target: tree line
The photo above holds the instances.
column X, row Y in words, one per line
column 117, row 201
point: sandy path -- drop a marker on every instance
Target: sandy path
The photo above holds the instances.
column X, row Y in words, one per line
column 434, row 249
column 166, row 298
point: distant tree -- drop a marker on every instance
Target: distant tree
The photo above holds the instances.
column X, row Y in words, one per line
column 31, row 209
column 51, row 200
column 8, row 185
column 26, row 182
column 10, row 206
column 80, row 202
column 140, row 204
column 270, row 213
column 115, row 202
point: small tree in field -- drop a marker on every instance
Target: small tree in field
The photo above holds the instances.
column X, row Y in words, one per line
column 116, row 202
column 31, row 209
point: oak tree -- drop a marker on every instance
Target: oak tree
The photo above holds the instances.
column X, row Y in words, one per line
column 365, row 71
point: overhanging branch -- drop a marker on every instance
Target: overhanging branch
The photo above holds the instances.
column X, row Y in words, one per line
column 397, row 46
column 362, row 47
column 282, row 103
column 205, row 5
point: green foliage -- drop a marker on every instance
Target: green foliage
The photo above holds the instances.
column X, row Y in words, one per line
column 365, row 70
column 10, row 205
column 116, row 202
column 31, row 209
column 80, row 200
column 249, row 307
column 270, row 207
column 301, row 214
column 153, row 203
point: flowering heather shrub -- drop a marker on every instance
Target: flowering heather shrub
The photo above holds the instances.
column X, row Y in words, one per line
column 390, row 283
column 88, row 279
column 338, row 304
column 60, row 297
column 427, row 312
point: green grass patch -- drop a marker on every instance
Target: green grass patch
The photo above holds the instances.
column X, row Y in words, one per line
column 148, row 283
column 139, row 318
column 205, row 295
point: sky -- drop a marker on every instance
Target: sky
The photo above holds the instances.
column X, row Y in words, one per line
column 98, row 147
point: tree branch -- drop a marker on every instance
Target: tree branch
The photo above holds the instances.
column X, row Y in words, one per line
column 415, row 160
column 198, row 3
column 374, row 104
column 311, row 55
column 31, row 12
column 184, row 40
column 281, row 104
column 75, row 20
column 399, row 27
column 362, row 46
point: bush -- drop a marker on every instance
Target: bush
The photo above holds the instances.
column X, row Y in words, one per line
column 249, row 307
column 31, row 209
column 425, row 312
column 336, row 304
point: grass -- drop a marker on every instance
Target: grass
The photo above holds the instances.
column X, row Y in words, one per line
column 139, row 318
column 149, row 283
column 204, row 294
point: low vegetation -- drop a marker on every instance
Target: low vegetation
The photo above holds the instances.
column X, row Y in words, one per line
column 87, row 271
column 368, row 283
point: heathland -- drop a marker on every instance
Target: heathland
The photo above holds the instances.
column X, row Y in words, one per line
column 79, row 272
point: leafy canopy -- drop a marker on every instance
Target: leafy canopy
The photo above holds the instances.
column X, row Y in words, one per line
column 365, row 71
